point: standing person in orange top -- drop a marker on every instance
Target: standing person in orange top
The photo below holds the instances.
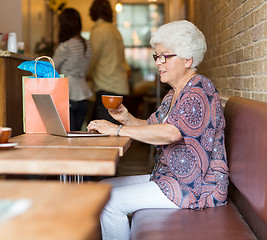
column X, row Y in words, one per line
column 72, row 58
column 108, row 68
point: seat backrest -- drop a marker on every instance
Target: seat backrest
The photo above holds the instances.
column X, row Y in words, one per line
column 246, row 146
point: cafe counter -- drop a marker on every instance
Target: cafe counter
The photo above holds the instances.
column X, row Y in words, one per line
column 11, row 107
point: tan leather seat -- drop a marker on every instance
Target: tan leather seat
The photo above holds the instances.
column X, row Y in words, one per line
column 221, row 223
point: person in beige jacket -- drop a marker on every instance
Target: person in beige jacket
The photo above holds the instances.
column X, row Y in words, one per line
column 108, row 68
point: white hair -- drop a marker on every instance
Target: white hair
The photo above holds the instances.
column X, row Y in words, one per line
column 183, row 38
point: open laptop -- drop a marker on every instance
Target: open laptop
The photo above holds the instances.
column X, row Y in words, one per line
column 52, row 121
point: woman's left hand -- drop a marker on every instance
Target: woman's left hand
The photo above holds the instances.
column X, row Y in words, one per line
column 103, row 126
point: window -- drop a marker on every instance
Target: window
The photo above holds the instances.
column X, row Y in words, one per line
column 136, row 22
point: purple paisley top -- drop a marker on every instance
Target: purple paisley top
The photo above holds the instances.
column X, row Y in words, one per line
column 193, row 172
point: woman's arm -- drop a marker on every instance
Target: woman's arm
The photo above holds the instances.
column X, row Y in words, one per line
column 97, row 41
column 138, row 129
column 157, row 134
column 122, row 115
column 60, row 55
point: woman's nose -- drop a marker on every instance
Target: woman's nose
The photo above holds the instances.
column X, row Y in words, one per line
column 158, row 62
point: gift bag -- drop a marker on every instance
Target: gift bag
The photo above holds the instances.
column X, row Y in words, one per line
column 57, row 87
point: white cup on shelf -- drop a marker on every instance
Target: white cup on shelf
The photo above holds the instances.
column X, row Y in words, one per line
column 12, row 42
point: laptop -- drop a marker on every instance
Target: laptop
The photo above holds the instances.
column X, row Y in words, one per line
column 52, row 121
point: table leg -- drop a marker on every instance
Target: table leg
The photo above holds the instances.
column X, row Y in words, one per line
column 71, row 179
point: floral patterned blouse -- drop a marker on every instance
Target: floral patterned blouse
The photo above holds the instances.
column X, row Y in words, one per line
column 193, row 172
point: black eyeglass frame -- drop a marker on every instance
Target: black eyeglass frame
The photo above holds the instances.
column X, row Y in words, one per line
column 162, row 57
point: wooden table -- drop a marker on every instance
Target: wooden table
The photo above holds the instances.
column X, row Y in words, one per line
column 46, row 140
column 55, row 161
column 57, row 211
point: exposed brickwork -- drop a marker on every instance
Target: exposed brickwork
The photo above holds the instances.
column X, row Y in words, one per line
column 236, row 34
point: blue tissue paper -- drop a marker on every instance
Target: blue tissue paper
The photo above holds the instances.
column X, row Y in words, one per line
column 43, row 69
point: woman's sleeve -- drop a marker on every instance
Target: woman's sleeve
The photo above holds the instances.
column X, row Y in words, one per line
column 60, row 55
column 192, row 114
column 158, row 116
column 97, row 41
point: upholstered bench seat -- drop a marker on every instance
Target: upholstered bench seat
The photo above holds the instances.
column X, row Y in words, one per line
column 220, row 223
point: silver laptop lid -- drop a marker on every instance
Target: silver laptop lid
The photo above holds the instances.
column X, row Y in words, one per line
column 52, row 120
column 49, row 114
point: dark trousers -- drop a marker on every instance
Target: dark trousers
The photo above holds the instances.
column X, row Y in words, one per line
column 78, row 112
column 100, row 112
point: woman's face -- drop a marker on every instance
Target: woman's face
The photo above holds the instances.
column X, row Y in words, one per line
column 173, row 70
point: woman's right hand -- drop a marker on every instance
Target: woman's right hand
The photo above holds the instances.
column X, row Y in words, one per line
column 120, row 114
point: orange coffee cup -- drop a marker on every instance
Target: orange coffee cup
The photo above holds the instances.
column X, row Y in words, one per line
column 111, row 101
column 5, row 134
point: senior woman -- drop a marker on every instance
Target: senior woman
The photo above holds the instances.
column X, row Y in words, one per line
column 187, row 130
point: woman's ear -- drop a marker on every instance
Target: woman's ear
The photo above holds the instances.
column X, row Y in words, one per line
column 189, row 62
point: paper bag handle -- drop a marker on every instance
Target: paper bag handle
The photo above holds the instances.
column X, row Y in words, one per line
column 50, row 60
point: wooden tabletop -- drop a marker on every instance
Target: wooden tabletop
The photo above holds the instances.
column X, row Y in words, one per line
column 46, row 140
column 57, row 211
column 55, row 161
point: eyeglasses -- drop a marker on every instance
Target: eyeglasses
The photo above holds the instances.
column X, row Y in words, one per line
column 162, row 57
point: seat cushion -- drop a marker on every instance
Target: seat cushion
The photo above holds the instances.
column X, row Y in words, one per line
column 218, row 223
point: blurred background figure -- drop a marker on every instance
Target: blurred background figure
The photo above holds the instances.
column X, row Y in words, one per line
column 108, row 69
column 72, row 58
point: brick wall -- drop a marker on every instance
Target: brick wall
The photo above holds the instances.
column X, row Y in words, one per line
column 236, row 34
